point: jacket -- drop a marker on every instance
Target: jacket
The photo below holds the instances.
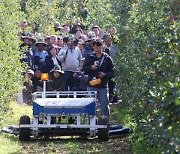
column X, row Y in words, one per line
column 49, row 64
column 56, row 84
column 106, row 67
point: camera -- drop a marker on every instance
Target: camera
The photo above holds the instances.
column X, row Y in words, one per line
column 96, row 63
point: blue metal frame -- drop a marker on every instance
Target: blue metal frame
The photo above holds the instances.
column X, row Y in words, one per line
column 90, row 109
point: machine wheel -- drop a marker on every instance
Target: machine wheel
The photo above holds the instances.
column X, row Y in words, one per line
column 103, row 133
column 24, row 133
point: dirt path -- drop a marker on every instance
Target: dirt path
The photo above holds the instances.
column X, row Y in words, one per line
column 66, row 145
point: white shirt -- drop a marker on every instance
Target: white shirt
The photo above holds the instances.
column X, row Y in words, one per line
column 55, row 61
column 73, row 59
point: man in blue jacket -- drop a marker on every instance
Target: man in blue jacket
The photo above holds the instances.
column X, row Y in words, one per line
column 99, row 68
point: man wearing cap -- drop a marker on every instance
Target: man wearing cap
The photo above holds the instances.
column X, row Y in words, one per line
column 99, row 67
column 70, row 58
column 28, row 42
column 40, row 54
column 88, row 48
column 57, row 26
column 109, row 48
column 81, row 44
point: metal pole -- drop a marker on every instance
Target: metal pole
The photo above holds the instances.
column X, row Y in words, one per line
column 44, row 89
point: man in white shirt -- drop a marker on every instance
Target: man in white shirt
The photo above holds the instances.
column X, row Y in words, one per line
column 70, row 58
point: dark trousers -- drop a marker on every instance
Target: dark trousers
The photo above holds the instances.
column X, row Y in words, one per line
column 70, row 81
column 112, row 93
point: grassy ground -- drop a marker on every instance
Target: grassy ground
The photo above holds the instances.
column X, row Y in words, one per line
column 64, row 145
column 10, row 143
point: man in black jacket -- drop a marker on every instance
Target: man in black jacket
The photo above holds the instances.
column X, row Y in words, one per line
column 99, row 67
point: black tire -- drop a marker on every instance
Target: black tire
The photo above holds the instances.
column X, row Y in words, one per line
column 24, row 133
column 103, row 133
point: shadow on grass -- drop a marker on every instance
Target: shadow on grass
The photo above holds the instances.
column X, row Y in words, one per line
column 80, row 139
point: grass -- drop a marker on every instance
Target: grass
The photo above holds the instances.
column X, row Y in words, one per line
column 65, row 145
column 10, row 143
column 15, row 112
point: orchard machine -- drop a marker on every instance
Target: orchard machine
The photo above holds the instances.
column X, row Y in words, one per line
column 64, row 113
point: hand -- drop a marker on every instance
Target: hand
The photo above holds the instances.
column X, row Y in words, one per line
column 30, row 83
column 64, row 58
column 102, row 74
column 39, row 89
column 93, row 67
column 75, row 75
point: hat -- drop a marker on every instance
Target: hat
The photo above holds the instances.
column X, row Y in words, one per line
column 106, row 35
column 57, row 68
column 29, row 71
column 91, row 37
column 71, row 37
column 95, row 26
column 57, row 25
column 40, row 41
column 28, row 35
column 80, row 41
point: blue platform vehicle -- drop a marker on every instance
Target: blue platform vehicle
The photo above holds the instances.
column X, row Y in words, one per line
column 63, row 113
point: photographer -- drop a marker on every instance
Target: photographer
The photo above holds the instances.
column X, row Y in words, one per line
column 99, row 67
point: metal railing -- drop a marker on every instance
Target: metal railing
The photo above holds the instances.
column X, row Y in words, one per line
column 65, row 94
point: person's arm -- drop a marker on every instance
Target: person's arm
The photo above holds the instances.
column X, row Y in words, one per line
column 110, row 69
column 81, row 62
column 62, row 55
column 49, row 62
column 88, row 66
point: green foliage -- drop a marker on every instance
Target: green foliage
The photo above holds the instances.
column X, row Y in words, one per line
column 43, row 14
column 11, row 69
column 148, row 64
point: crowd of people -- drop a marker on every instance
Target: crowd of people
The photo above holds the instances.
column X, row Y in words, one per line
column 76, row 60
